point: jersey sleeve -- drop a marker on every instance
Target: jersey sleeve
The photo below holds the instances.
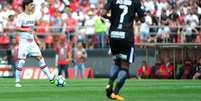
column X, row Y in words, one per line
column 19, row 21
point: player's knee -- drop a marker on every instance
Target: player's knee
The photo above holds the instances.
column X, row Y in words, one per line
column 20, row 63
column 122, row 63
column 123, row 75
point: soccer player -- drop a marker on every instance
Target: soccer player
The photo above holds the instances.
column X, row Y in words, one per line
column 27, row 41
column 121, row 41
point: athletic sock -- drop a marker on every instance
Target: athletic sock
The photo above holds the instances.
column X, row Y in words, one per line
column 45, row 69
column 113, row 74
column 122, row 76
column 19, row 65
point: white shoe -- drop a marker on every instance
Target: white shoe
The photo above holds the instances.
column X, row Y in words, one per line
column 18, row 85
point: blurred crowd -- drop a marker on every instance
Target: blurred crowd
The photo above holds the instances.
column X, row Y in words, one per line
column 166, row 69
column 171, row 21
column 77, row 19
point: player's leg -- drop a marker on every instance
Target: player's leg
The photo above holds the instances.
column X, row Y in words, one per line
column 19, row 64
column 127, row 57
column 59, row 69
column 114, row 72
column 35, row 51
column 75, row 70
column 44, row 68
column 114, row 48
column 122, row 76
column 66, row 70
column 113, row 75
column 22, row 53
column 82, row 70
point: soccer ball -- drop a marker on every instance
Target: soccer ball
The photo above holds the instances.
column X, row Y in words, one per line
column 60, row 81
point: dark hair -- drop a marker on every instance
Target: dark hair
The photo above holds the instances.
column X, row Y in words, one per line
column 25, row 3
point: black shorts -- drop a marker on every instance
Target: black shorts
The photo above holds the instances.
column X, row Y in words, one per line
column 121, row 46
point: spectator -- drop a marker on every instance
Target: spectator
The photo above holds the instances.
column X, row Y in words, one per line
column 89, row 25
column 144, row 31
column 164, row 17
column 192, row 17
column 148, row 18
column 163, row 34
column 189, row 31
column 69, row 26
column 155, row 68
column 173, row 31
column 85, row 6
column 10, row 25
column 149, row 5
column 100, row 29
column 56, row 22
column 80, row 56
column 144, row 71
column 14, row 53
column 41, row 28
column 48, row 41
column 74, row 4
column 197, row 71
column 173, row 15
column 186, row 71
column 4, row 40
column 63, row 57
column 161, row 5
column 166, row 69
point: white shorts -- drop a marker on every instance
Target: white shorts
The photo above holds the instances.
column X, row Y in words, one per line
column 28, row 49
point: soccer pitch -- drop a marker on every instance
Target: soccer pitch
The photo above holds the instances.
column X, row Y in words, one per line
column 94, row 90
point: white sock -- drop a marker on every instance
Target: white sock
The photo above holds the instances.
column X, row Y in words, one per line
column 45, row 69
column 19, row 65
column 17, row 75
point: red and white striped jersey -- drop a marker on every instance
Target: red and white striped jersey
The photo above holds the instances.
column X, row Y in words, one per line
column 25, row 21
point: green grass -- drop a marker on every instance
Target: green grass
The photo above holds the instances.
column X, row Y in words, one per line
column 93, row 90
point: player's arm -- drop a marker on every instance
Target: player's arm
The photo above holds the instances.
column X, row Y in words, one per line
column 139, row 10
column 104, row 12
column 37, row 40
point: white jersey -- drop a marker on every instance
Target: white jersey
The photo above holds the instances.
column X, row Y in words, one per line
column 25, row 21
column 27, row 45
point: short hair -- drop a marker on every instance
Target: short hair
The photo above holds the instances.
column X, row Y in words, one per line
column 25, row 3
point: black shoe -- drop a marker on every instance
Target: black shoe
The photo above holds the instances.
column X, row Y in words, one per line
column 109, row 91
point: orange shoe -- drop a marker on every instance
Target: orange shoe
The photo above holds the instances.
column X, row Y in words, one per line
column 108, row 91
column 117, row 97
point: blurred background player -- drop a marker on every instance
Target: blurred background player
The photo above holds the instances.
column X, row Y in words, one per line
column 186, row 71
column 63, row 55
column 121, row 41
column 197, row 70
column 80, row 56
column 144, row 71
column 27, row 44
column 166, row 69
